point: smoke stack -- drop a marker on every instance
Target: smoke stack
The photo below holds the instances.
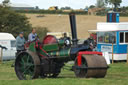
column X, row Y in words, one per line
column 73, row 28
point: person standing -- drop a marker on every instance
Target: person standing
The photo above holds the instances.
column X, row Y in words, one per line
column 32, row 36
column 20, row 41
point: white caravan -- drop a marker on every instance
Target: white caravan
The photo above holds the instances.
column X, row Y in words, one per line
column 8, row 40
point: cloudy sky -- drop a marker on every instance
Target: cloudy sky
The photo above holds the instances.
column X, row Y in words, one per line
column 76, row 4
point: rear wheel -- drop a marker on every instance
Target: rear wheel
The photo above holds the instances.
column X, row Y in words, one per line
column 27, row 65
column 93, row 66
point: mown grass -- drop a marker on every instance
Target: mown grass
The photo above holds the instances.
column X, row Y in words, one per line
column 117, row 75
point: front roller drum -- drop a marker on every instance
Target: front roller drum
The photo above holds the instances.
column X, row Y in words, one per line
column 94, row 66
column 27, row 65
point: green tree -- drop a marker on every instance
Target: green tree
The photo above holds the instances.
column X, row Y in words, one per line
column 13, row 22
column 92, row 6
column 100, row 3
column 41, row 32
column 5, row 3
column 37, row 7
column 116, row 3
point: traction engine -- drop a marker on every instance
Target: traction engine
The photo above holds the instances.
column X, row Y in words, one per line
column 46, row 58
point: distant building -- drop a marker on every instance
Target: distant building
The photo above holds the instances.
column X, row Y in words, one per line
column 79, row 10
column 52, row 8
column 93, row 11
column 20, row 6
column 86, row 9
column 69, row 10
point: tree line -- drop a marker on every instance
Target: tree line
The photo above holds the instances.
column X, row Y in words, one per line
column 14, row 23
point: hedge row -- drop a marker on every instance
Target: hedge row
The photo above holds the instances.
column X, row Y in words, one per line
column 50, row 12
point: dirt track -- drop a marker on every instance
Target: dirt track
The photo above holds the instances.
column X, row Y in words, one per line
column 57, row 23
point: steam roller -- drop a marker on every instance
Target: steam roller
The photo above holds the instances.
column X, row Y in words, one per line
column 45, row 59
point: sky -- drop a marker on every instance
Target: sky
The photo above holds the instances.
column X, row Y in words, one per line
column 75, row 4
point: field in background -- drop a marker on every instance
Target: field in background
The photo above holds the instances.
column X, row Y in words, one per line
column 117, row 75
column 60, row 23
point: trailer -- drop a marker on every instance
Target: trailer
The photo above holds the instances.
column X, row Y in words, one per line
column 113, row 34
column 8, row 40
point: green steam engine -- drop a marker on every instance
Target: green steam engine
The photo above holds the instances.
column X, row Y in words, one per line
column 46, row 58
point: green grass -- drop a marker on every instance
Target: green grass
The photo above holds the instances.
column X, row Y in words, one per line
column 117, row 75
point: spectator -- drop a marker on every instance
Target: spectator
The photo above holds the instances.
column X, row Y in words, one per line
column 32, row 36
column 20, row 41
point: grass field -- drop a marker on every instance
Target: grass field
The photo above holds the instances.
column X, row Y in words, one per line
column 117, row 75
column 57, row 23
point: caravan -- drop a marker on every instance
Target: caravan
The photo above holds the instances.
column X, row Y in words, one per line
column 8, row 40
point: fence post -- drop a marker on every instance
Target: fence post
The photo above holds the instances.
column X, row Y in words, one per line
column 1, row 54
column 112, row 55
column 127, row 54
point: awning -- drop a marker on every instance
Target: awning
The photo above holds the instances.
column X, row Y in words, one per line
column 105, row 30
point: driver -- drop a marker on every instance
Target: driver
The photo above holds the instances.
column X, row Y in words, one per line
column 32, row 36
column 67, row 39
